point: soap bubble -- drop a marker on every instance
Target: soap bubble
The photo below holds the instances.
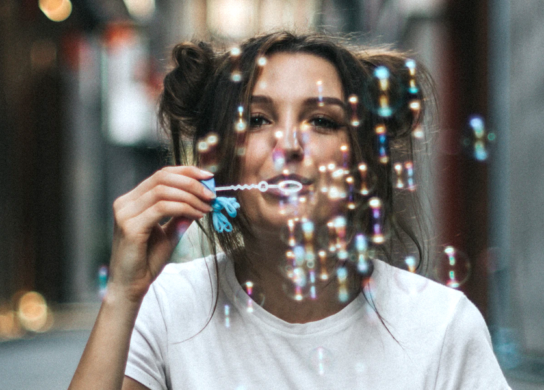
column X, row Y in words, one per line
column 321, row 360
column 386, row 93
column 291, row 233
column 453, row 268
column 367, row 179
column 226, row 314
column 407, row 283
column 247, row 298
column 477, row 139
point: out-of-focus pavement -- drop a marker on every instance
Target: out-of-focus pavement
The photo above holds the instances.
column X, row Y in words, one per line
column 45, row 362
column 48, row 361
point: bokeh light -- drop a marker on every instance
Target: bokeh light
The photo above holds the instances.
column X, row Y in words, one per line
column 56, row 10
column 33, row 312
column 140, row 9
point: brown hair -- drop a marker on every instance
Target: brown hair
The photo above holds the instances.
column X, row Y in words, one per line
column 200, row 97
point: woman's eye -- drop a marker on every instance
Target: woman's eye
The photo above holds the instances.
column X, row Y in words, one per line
column 257, row 121
column 324, row 123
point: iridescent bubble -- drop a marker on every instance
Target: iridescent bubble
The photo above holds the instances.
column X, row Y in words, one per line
column 278, row 156
column 299, row 253
column 320, row 93
column 399, row 180
column 299, row 277
column 382, row 145
column 454, row 267
column 477, row 140
column 376, row 206
column 291, row 233
column 241, row 124
column 227, row 316
column 102, row 280
column 202, row 146
column 382, row 74
column 409, row 174
column 418, row 132
column 326, row 238
column 412, row 83
column 308, row 228
column 344, row 149
column 360, row 254
column 353, row 102
column 212, row 139
column 247, row 298
column 236, row 75
column 293, row 290
column 342, row 275
column 404, row 175
column 323, row 274
column 410, row 285
column 368, row 179
column 321, row 360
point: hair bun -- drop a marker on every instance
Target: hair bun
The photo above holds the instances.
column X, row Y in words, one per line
column 184, row 86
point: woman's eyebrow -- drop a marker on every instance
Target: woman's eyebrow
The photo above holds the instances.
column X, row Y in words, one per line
column 261, row 99
column 324, row 101
column 313, row 101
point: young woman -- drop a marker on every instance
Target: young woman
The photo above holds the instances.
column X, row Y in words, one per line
column 300, row 297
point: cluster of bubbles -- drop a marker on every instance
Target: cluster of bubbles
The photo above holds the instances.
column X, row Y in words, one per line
column 309, row 253
column 27, row 312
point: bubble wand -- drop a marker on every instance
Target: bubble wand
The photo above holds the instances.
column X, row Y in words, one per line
column 220, row 221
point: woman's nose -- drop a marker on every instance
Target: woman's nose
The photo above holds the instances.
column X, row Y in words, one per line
column 289, row 144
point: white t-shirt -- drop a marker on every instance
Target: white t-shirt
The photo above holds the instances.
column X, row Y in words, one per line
column 442, row 339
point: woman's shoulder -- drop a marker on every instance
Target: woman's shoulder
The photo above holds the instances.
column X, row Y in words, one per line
column 411, row 295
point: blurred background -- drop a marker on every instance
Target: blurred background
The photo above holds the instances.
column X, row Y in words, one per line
column 78, row 85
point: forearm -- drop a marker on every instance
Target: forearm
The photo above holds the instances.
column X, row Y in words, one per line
column 102, row 365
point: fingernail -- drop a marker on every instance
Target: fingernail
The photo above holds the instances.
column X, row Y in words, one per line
column 209, row 193
column 209, row 174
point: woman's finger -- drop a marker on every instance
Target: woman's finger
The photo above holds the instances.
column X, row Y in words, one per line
column 179, row 177
column 161, row 193
column 142, row 224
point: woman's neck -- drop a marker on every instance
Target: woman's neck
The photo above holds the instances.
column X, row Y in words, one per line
column 265, row 263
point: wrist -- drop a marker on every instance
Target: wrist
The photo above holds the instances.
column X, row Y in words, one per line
column 123, row 297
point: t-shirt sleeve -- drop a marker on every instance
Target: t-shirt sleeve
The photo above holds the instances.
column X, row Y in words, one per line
column 148, row 345
column 467, row 360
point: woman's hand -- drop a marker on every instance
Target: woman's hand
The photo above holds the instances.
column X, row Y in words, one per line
column 141, row 246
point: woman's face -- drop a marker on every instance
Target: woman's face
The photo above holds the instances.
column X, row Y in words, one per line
column 298, row 124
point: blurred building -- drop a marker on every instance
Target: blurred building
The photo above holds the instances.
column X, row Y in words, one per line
column 78, row 81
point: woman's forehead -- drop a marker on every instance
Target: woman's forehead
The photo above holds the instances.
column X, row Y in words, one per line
column 298, row 74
